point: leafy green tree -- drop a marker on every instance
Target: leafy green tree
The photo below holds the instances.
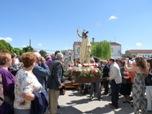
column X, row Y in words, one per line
column 18, row 51
column 28, row 49
column 43, row 53
column 101, row 49
column 5, row 46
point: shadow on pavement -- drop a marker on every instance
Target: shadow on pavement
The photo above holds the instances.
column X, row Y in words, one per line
column 81, row 101
column 99, row 111
column 73, row 108
column 69, row 110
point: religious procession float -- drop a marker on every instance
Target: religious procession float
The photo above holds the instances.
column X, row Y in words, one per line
column 84, row 71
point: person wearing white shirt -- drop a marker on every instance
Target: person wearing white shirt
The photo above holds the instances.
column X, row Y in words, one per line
column 26, row 84
column 115, row 82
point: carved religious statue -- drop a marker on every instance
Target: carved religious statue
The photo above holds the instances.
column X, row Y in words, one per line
column 85, row 48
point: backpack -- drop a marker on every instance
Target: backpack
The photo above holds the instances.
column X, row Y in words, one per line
column 1, row 91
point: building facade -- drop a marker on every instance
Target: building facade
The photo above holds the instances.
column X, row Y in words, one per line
column 115, row 49
column 68, row 57
column 76, row 49
column 142, row 53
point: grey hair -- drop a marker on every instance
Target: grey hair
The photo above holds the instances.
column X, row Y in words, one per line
column 37, row 54
column 59, row 56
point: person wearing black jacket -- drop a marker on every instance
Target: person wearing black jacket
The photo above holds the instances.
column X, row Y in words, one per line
column 55, row 82
column 105, row 81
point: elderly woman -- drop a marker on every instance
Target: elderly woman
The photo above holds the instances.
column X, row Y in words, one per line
column 6, row 84
column 26, row 84
column 141, row 69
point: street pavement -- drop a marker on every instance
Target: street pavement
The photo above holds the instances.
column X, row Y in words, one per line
column 74, row 103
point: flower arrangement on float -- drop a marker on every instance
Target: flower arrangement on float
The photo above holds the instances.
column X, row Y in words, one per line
column 85, row 72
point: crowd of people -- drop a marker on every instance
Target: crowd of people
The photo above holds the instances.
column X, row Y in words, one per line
column 129, row 77
column 31, row 84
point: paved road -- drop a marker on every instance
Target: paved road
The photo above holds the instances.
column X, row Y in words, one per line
column 74, row 103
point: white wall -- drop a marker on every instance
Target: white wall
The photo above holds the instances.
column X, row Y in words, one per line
column 116, row 51
column 146, row 55
column 76, row 51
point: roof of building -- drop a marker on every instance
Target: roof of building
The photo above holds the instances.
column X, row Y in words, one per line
column 112, row 43
column 139, row 51
column 115, row 43
column 77, row 43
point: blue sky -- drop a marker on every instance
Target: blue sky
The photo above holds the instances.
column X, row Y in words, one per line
column 52, row 24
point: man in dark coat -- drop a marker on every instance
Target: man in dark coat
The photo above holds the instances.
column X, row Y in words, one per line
column 55, row 82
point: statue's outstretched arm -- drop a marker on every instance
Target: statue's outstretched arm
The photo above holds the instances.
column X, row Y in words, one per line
column 78, row 33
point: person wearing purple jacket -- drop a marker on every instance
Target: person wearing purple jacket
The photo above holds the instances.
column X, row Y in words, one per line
column 49, row 60
column 7, row 82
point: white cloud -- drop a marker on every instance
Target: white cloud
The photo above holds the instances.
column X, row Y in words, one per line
column 113, row 18
column 139, row 44
column 39, row 44
column 8, row 39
